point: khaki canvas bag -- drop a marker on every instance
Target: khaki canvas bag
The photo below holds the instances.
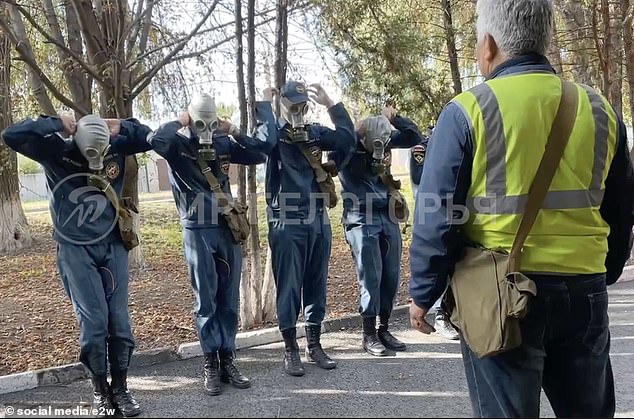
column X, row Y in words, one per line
column 125, row 209
column 487, row 295
column 234, row 212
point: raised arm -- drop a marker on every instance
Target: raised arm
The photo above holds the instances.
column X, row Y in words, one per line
column 38, row 139
column 165, row 139
column 129, row 136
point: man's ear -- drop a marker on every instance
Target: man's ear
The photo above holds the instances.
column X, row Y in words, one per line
column 490, row 48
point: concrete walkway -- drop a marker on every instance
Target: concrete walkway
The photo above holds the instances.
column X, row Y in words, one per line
column 426, row 381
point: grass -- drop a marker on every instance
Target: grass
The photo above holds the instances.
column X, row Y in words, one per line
column 161, row 229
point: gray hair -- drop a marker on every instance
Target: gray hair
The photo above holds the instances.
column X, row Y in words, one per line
column 518, row 26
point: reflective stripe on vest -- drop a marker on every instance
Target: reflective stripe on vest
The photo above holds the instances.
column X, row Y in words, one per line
column 496, row 200
column 510, row 120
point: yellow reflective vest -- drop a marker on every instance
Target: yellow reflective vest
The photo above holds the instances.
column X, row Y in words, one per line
column 510, row 119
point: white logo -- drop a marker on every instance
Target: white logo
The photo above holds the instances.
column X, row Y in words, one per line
column 89, row 205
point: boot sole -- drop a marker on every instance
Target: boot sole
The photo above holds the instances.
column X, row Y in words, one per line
column 213, row 392
column 377, row 354
column 323, row 367
column 395, row 349
column 236, row 385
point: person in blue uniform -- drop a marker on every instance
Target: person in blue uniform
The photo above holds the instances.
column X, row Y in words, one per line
column 212, row 252
column 371, row 224
column 92, row 257
column 298, row 190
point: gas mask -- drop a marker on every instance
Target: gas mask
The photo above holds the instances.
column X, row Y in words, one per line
column 295, row 115
column 92, row 137
column 202, row 111
column 377, row 134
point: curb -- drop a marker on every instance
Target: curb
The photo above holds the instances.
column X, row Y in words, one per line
column 66, row 374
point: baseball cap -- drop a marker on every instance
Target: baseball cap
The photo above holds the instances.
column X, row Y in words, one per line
column 295, row 92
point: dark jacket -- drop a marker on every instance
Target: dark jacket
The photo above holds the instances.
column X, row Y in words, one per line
column 81, row 214
column 196, row 203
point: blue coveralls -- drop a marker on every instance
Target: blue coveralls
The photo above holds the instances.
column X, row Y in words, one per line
column 374, row 237
column 299, row 229
column 213, row 257
column 92, row 261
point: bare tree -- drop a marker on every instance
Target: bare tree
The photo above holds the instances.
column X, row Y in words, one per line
column 248, row 305
column 110, row 55
column 14, row 230
column 452, row 52
column 628, row 48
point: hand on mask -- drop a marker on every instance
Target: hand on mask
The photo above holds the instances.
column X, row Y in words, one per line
column 114, row 125
column 228, row 128
column 319, row 95
column 69, row 123
column 269, row 93
column 389, row 112
column 184, row 119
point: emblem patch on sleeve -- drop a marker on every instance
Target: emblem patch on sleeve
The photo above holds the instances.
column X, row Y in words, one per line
column 418, row 154
column 113, row 170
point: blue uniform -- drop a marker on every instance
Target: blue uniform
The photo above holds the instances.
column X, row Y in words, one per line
column 214, row 259
column 92, row 260
column 299, row 229
column 374, row 237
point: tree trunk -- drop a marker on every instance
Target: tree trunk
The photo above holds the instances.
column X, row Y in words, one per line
column 615, row 65
column 254, row 240
column 248, row 308
column 14, row 230
column 452, row 52
column 628, row 47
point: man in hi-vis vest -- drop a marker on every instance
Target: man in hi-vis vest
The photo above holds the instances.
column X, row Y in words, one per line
column 486, row 148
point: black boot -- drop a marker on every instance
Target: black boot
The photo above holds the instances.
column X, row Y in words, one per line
column 388, row 340
column 121, row 397
column 101, row 403
column 211, row 373
column 314, row 352
column 229, row 372
column 371, row 342
column 292, row 362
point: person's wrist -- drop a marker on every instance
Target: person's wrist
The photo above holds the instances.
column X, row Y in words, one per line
column 329, row 103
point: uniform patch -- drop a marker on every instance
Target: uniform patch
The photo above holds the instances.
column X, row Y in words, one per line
column 418, row 153
column 315, row 151
column 225, row 165
column 113, row 170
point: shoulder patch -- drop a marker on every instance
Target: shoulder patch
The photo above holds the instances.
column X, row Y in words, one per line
column 113, row 170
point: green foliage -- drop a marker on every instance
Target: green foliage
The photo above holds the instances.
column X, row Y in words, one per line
column 226, row 111
column 27, row 166
column 392, row 51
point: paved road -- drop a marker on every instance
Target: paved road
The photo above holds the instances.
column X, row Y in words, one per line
column 426, row 381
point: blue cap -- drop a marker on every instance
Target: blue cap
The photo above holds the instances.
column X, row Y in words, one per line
column 295, row 92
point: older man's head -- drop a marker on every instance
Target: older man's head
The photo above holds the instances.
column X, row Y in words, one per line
column 508, row 28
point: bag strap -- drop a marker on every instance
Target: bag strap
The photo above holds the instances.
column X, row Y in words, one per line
column 106, row 187
column 320, row 173
column 557, row 141
column 221, row 196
